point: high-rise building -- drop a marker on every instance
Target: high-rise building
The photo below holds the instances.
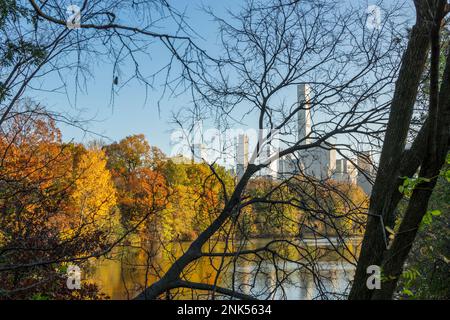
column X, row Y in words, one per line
column 340, row 167
column 365, row 171
column 304, row 113
column 198, row 148
column 345, row 171
column 320, row 161
column 267, row 153
column 287, row 167
column 352, row 173
column 241, row 154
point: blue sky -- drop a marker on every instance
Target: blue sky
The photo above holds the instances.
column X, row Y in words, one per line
column 130, row 112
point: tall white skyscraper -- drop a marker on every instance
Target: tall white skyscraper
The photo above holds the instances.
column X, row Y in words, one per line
column 319, row 162
column 304, row 114
column 241, row 154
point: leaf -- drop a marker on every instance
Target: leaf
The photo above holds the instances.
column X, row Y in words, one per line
column 408, row 292
column 436, row 212
column 389, row 229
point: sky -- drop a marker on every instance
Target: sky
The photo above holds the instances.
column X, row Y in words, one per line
column 131, row 112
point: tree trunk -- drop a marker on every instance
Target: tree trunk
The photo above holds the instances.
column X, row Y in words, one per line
column 171, row 278
column 437, row 148
column 381, row 209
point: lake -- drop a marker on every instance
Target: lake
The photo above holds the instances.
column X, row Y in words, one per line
column 310, row 269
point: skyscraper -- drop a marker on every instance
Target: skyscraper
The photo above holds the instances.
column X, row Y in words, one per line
column 304, row 113
column 268, row 153
column 241, row 154
column 287, row 167
column 365, row 171
column 345, row 171
column 320, row 161
column 198, row 148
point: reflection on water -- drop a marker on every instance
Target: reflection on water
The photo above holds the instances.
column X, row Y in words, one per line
column 312, row 269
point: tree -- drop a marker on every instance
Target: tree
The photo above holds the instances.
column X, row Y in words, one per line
column 142, row 191
column 94, row 195
column 426, row 269
column 52, row 212
column 269, row 49
column 195, row 199
column 428, row 152
column 129, row 154
column 37, row 42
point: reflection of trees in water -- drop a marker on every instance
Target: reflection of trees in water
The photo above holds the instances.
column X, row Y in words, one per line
column 286, row 270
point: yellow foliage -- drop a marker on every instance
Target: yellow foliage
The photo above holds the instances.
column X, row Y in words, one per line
column 94, row 196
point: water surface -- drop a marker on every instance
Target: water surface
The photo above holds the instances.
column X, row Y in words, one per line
column 311, row 270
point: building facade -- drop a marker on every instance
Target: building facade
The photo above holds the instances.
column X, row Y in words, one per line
column 241, row 154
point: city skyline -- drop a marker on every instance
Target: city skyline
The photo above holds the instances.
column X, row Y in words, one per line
column 319, row 162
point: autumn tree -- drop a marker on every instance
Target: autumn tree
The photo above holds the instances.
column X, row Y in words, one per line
column 142, row 190
column 52, row 210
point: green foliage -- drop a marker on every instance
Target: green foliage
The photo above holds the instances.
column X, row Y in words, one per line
column 23, row 50
column 447, row 170
column 20, row 51
column 409, row 184
column 408, row 277
column 40, row 296
column 428, row 217
column 429, row 253
column 15, row 50
column 10, row 9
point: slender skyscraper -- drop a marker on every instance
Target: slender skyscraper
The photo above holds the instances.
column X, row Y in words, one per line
column 241, row 154
column 304, row 114
column 198, row 148
column 319, row 161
